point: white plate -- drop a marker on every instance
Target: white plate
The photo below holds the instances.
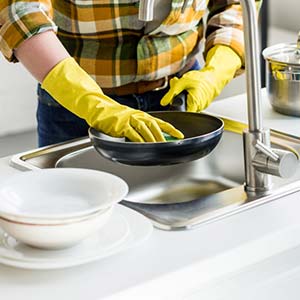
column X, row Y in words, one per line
column 124, row 230
column 58, row 194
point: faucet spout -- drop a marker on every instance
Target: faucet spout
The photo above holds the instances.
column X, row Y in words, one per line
column 252, row 63
column 258, row 154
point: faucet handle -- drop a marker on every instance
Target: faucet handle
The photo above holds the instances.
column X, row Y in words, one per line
column 266, row 150
column 284, row 166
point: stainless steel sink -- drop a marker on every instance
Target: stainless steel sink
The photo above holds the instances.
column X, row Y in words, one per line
column 177, row 196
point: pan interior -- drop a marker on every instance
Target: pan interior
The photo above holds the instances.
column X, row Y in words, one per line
column 190, row 124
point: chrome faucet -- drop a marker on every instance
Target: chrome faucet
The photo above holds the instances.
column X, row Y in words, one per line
column 146, row 10
column 259, row 158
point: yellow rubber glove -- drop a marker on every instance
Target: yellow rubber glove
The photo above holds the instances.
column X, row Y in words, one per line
column 206, row 84
column 278, row 72
column 74, row 89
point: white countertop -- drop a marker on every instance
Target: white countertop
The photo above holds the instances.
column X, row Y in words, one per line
column 236, row 108
column 182, row 264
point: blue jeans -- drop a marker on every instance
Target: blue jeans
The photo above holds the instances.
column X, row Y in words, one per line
column 56, row 124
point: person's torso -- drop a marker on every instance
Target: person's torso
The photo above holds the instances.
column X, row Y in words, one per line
column 115, row 47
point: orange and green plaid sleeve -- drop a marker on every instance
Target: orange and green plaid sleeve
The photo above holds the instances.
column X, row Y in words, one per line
column 225, row 25
column 20, row 20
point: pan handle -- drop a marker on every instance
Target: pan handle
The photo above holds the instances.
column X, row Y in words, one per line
column 179, row 102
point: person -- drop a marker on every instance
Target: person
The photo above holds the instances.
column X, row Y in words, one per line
column 98, row 64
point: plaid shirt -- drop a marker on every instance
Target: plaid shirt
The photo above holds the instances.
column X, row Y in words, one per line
column 107, row 39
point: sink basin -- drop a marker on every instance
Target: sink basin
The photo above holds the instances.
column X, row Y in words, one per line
column 166, row 184
column 177, row 196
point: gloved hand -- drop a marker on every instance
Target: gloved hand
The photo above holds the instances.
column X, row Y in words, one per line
column 206, row 84
column 74, row 89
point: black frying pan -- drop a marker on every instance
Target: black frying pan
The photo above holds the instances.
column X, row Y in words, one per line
column 202, row 133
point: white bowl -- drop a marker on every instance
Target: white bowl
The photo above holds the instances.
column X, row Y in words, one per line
column 52, row 221
column 56, row 236
column 55, row 195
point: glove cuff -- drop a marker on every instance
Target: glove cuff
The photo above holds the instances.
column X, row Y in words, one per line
column 223, row 60
column 66, row 74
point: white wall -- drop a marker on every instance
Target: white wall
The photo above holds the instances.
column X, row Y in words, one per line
column 285, row 14
column 17, row 98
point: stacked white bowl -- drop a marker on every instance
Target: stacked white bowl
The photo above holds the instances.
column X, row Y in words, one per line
column 58, row 208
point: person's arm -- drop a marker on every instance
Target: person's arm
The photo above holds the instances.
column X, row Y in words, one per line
column 41, row 53
column 225, row 25
column 48, row 61
column 224, row 56
column 27, row 34
column 20, row 20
